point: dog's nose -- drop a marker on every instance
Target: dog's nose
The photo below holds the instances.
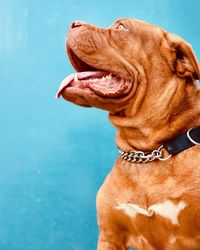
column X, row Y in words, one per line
column 76, row 24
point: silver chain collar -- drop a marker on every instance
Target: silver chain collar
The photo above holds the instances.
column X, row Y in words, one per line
column 142, row 157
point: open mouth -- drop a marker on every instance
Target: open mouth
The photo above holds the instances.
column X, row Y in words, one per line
column 102, row 83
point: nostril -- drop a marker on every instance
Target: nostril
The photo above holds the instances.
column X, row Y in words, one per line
column 76, row 24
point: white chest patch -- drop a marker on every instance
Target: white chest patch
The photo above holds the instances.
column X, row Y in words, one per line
column 166, row 209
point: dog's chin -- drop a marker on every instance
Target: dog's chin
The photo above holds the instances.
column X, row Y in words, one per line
column 80, row 101
column 90, row 85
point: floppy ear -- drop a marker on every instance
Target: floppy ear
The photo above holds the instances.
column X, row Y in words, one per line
column 186, row 63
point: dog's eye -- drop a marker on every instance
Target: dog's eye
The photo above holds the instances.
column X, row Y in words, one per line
column 120, row 27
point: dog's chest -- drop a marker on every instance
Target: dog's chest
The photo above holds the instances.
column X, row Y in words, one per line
column 167, row 210
column 155, row 214
column 162, row 224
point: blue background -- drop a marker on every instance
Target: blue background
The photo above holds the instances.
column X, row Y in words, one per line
column 55, row 155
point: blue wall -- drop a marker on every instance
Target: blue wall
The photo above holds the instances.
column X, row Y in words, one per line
column 55, row 155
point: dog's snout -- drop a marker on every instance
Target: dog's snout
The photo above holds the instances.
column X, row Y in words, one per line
column 76, row 24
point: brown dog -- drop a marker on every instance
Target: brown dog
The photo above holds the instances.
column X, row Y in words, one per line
column 145, row 77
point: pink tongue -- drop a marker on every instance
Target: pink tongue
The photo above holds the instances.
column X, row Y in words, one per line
column 80, row 76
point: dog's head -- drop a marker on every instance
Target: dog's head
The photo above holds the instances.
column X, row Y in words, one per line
column 119, row 63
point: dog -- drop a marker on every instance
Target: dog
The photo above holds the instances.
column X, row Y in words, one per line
column 146, row 78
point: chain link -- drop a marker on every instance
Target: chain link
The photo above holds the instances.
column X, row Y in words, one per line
column 141, row 157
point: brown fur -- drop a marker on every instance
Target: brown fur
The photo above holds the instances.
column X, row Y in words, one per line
column 164, row 102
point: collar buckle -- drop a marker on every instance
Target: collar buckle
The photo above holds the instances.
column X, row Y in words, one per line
column 164, row 158
column 189, row 137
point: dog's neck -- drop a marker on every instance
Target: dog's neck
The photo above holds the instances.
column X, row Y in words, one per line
column 158, row 115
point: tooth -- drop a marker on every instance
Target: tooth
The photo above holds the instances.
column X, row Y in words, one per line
column 109, row 76
column 76, row 78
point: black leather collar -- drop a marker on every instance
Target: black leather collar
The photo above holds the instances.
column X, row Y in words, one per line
column 175, row 146
column 183, row 141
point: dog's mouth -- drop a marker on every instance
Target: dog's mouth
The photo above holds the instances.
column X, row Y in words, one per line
column 103, row 83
